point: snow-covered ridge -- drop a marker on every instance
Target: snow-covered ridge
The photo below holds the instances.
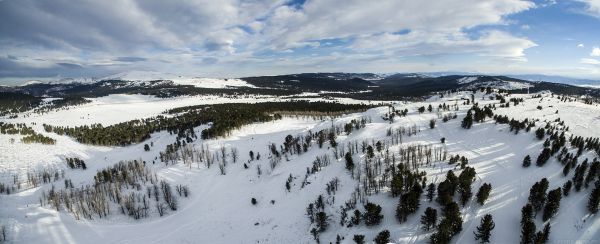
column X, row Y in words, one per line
column 143, row 76
column 467, row 79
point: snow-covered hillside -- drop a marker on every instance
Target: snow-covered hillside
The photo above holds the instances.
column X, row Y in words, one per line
column 140, row 76
column 219, row 208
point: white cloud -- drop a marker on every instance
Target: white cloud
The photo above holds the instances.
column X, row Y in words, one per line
column 525, row 27
column 590, row 61
column 595, row 52
column 592, row 7
column 580, row 45
column 182, row 34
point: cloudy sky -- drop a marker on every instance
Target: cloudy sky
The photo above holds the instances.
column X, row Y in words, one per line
column 232, row 38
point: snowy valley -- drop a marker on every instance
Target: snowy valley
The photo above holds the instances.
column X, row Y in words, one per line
column 305, row 175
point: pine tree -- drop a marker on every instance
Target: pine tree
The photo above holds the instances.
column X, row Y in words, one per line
column 408, row 204
column 396, row 185
column 543, row 157
column 527, row 161
column 355, row 219
column 349, row 161
column 484, row 193
column 465, row 179
column 383, row 237
column 372, row 215
column 484, row 230
column 528, row 232
column 443, row 235
column 468, row 120
column 451, row 213
column 429, row 219
column 594, row 199
column 552, row 204
column 540, row 132
column 526, row 213
column 537, row 194
column 445, row 192
column 567, row 188
column 359, row 239
column 321, row 221
column 430, row 191
column 332, row 141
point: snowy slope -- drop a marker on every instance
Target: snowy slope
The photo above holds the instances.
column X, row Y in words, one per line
column 140, row 76
column 219, row 209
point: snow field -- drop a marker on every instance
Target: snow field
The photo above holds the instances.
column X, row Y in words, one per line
column 219, row 208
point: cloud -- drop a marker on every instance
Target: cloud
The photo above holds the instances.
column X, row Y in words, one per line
column 130, row 59
column 595, row 52
column 209, row 36
column 580, row 45
column 592, row 7
column 590, row 61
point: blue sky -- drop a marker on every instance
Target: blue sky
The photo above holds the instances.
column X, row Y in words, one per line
column 50, row 40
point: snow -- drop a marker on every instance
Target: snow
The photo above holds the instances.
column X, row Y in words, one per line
column 467, row 79
column 582, row 119
column 31, row 82
column 140, row 76
column 219, row 209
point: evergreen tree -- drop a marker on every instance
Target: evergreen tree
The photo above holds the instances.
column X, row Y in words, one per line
column 408, row 204
column 445, row 192
column 430, row 191
column 465, row 179
column 429, row 219
column 443, row 235
column 543, row 157
column 552, row 204
column 146, row 147
column 545, row 233
column 397, row 184
column 594, row 199
column 537, row 194
column 451, row 213
column 484, row 230
column 355, row 219
column 579, row 175
column 527, row 161
column 359, row 239
column 526, row 213
column 370, row 152
column 540, row 132
column 484, row 193
column 468, row 120
column 567, row 188
column 383, row 237
column 321, row 221
column 528, row 232
column 372, row 215
column 332, row 141
column 349, row 162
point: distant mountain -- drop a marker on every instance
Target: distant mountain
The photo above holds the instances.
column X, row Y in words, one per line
column 369, row 86
column 559, row 79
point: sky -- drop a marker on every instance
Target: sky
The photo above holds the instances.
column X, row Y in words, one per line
column 50, row 40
